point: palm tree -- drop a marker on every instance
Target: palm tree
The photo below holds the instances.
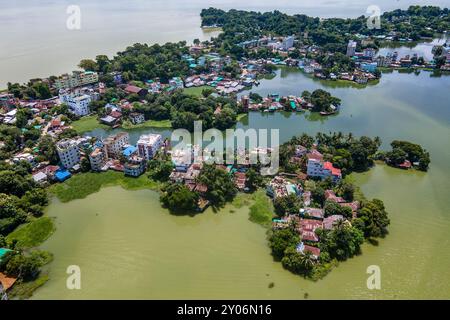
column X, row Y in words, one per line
column 307, row 261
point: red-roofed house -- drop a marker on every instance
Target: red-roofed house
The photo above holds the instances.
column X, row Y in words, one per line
column 314, row 213
column 307, row 229
column 116, row 114
column 328, row 222
column 314, row 154
column 405, row 165
column 55, row 123
column 315, row 251
column 330, row 195
column 323, row 170
column 136, row 90
column 352, row 205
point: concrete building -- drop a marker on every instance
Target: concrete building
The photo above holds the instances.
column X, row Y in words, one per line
column 78, row 104
column 287, row 43
column 136, row 117
column 97, row 158
column 76, row 79
column 369, row 53
column 176, row 82
column 68, row 153
column 135, row 166
column 383, row 61
column 369, row 67
column 316, row 167
column 351, row 48
column 114, row 144
column 148, row 145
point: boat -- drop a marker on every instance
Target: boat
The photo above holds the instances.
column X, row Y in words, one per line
column 323, row 113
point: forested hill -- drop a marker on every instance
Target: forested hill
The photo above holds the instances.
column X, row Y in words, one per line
column 414, row 23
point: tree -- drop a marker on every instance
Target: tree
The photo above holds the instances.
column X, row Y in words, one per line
column 256, row 98
column 85, row 165
column 254, row 179
column 333, row 208
column 41, row 90
column 88, row 65
column 225, row 119
column 184, row 120
column 15, row 264
column 404, row 150
column 10, row 214
column 160, row 170
column 318, row 195
column 21, row 118
column 207, row 92
column 375, row 219
column 179, row 199
column 298, row 263
column 14, row 184
column 220, row 184
column 280, row 240
column 306, row 95
column 322, row 100
column 346, row 190
column 47, row 149
column 343, row 241
column 289, row 204
column 102, row 63
column 34, row 201
column 396, row 156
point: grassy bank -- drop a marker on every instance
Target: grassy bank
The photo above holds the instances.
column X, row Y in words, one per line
column 127, row 125
column 33, row 233
column 196, row 91
column 83, row 184
column 260, row 206
column 24, row 290
column 241, row 116
column 261, row 211
column 88, row 123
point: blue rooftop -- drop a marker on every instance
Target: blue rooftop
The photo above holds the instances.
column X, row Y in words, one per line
column 62, row 175
column 3, row 251
column 129, row 151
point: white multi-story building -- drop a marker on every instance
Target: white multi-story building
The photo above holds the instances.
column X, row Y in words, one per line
column 148, row 145
column 323, row 170
column 114, row 144
column 135, row 166
column 78, row 104
column 76, row 79
column 369, row 53
column 351, row 48
column 68, row 153
column 287, row 43
column 97, row 158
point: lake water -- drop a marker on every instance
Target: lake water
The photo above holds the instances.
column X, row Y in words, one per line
column 36, row 42
column 129, row 247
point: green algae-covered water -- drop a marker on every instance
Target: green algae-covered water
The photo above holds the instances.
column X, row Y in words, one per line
column 127, row 246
